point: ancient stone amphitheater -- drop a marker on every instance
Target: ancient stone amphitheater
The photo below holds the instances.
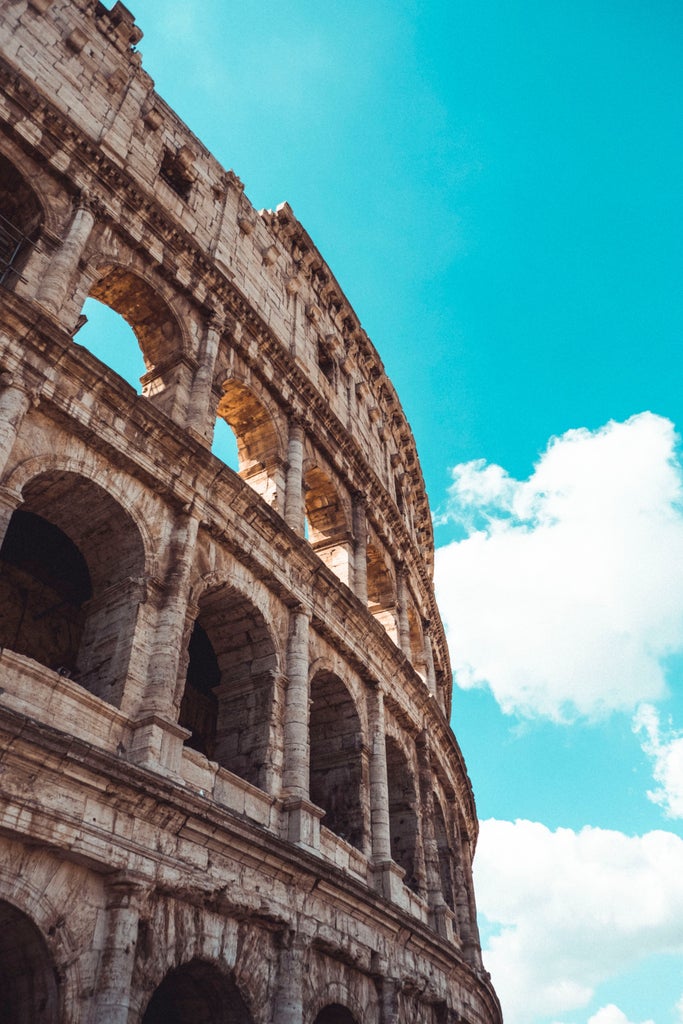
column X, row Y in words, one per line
column 228, row 787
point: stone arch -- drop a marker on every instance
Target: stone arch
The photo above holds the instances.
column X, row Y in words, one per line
column 32, row 904
column 382, row 592
column 230, row 681
column 444, row 852
column 70, row 569
column 259, row 445
column 197, row 992
column 328, row 521
column 87, row 465
column 29, row 992
column 342, row 997
column 336, row 768
column 128, row 290
column 21, row 221
column 403, row 818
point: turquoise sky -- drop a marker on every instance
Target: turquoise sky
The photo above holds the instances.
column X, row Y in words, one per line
column 497, row 187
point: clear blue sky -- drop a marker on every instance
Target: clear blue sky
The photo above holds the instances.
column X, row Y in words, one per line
column 496, row 185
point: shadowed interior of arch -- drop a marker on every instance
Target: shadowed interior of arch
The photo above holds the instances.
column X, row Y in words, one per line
column 197, row 993
column 335, row 757
column 28, row 980
column 68, row 569
column 335, row 1014
column 21, row 218
column 228, row 693
column 402, row 816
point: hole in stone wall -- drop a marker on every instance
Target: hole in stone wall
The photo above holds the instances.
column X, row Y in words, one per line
column 112, row 340
column 224, row 445
column 335, row 758
column 402, row 815
column 28, row 980
column 229, row 685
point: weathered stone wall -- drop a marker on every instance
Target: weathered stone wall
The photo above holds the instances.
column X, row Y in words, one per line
column 228, row 780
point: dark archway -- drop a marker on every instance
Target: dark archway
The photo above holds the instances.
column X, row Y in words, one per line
column 335, row 1014
column 69, row 566
column 21, row 220
column 403, row 826
column 197, row 993
column 335, row 758
column 228, row 692
column 28, row 981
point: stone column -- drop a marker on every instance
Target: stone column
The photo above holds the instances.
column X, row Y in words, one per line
column 295, row 775
column 158, row 738
column 111, row 1000
column 199, row 414
column 54, row 287
column 390, row 989
column 360, row 548
column 14, row 403
column 429, row 659
column 379, row 786
column 402, row 609
column 288, row 1005
column 294, row 493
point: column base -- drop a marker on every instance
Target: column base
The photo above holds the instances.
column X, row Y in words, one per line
column 158, row 744
column 303, row 822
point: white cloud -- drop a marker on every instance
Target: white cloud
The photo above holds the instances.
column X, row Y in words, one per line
column 566, row 597
column 572, row 910
column 611, row 1014
column 666, row 750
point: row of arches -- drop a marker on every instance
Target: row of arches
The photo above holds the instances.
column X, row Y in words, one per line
column 72, row 564
column 137, row 332
column 196, row 992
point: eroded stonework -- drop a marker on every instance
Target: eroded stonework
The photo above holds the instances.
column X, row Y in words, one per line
column 229, row 788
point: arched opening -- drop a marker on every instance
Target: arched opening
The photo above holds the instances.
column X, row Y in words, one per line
column 259, row 459
column 381, row 592
column 228, row 692
column 28, row 981
column 197, row 993
column 327, row 524
column 21, row 220
column 335, row 1014
column 69, row 566
column 156, row 330
column 112, row 340
column 402, row 812
column 335, row 758
column 445, row 855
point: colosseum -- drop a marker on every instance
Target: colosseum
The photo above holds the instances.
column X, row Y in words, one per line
column 229, row 792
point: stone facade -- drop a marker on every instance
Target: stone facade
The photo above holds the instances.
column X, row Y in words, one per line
column 229, row 791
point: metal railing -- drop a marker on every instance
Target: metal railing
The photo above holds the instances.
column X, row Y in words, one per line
column 12, row 243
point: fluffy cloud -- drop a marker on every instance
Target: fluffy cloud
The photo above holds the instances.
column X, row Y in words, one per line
column 572, row 909
column 666, row 751
column 611, row 1014
column 565, row 597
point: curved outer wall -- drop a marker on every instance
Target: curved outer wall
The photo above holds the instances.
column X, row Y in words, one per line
column 228, row 777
